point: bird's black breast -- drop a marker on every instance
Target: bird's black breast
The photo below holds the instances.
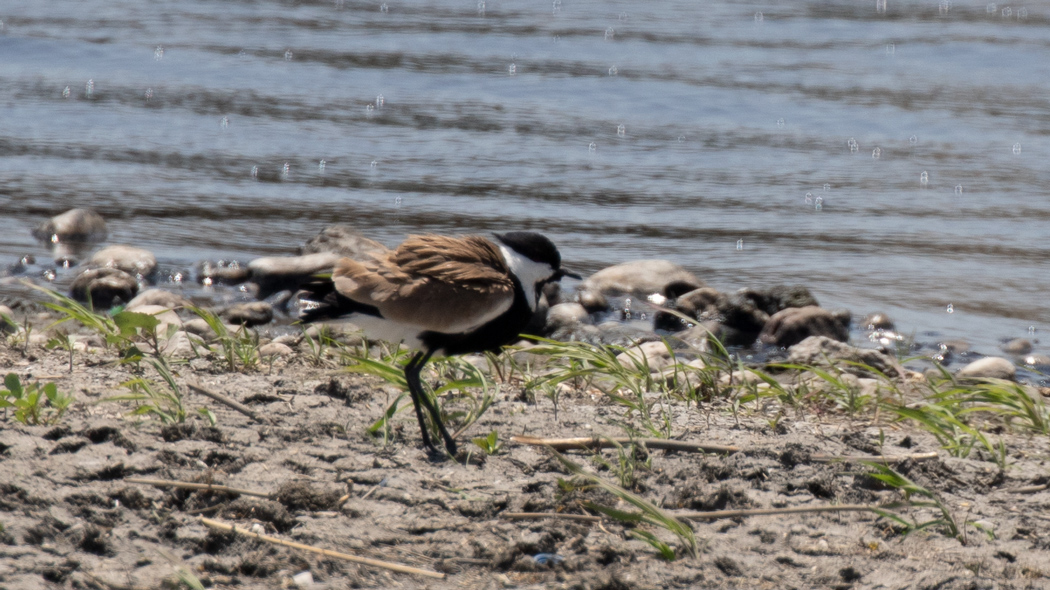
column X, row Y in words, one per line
column 491, row 336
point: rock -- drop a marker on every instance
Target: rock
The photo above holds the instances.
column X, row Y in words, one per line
column 990, row 367
column 794, row 324
column 641, row 278
column 274, row 349
column 255, row 313
column 878, row 321
column 222, row 273
column 655, row 355
column 1037, row 360
column 1017, row 346
column 565, row 315
column 104, row 287
column 158, row 297
column 199, row 327
column 624, row 333
column 344, row 240
column 75, row 225
column 578, row 333
column 135, row 261
column 740, row 320
column 279, row 273
column 777, row 298
column 593, row 301
column 818, row 350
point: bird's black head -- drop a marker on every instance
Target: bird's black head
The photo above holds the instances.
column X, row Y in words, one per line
column 536, row 247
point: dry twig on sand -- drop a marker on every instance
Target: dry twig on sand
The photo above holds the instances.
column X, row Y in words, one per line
column 395, row 567
column 164, row 483
column 228, row 401
column 567, row 444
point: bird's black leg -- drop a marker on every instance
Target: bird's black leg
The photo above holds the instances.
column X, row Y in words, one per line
column 415, row 389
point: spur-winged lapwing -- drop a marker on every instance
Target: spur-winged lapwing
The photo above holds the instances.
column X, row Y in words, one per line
column 440, row 295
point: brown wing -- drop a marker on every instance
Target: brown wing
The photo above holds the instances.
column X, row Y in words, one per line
column 438, row 283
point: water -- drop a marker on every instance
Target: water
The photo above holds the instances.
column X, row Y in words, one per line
column 734, row 111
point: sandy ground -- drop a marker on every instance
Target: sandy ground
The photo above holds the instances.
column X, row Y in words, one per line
column 72, row 520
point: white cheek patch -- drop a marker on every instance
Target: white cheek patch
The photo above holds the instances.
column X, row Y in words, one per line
column 528, row 271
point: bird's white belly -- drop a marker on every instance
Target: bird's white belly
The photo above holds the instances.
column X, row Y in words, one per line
column 387, row 331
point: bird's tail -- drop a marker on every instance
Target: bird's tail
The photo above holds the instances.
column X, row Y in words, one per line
column 319, row 302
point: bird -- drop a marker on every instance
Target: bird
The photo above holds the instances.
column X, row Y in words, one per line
column 439, row 295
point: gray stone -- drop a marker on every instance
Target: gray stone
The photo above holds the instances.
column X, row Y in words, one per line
column 104, row 287
column 794, row 324
column 159, row 297
column 255, row 313
column 878, row 321
column 655, row 355
column 777, row 298
column 280, row 273
column 222, row 273
column 1037, row 360
column 274, row 349
column 75, row 225
column 593, row 301
column 641, row 278
column 565, row 315
column 1017, row 346
column 136, row 261
column 990, row 367
column 344, row 240
column 818, row 350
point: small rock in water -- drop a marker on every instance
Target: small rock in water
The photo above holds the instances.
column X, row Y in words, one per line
column 104, row 287
column 75, row 225
column 1037, row 360
column 1017, row 346
column 255, row 313
column 641, row 278
column 778, row 297
column 212, row 273
column 878, row 321
column 158, row 297
column 344, row 240
column 136, row 261
column 280, row 273
column 990, row 367
column 794, row 324
column 593, row 301
column 565, row 315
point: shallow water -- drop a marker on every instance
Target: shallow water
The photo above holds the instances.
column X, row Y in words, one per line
column 622, row 130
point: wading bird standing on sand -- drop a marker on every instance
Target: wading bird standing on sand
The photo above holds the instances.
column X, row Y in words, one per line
column 440, row 295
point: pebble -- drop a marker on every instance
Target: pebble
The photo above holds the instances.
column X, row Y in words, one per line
column 344, row 240
column 279, row 273
column 222, row 273
column 105, row 287
column 818, row 350
column 255, row 313
column 990, row 367
column 878, row 321
column 135, row 261
column 641, row 278
column 653, row 354
column 1037, row 360
column 565, row 315
column 274, row 349
column 1017, row 346
column 593, row 301
column 159, row 297
column 794, row 324
column 778, row 297
column 75, row 225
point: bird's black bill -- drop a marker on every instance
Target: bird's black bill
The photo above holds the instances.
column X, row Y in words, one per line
column 561, row 272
